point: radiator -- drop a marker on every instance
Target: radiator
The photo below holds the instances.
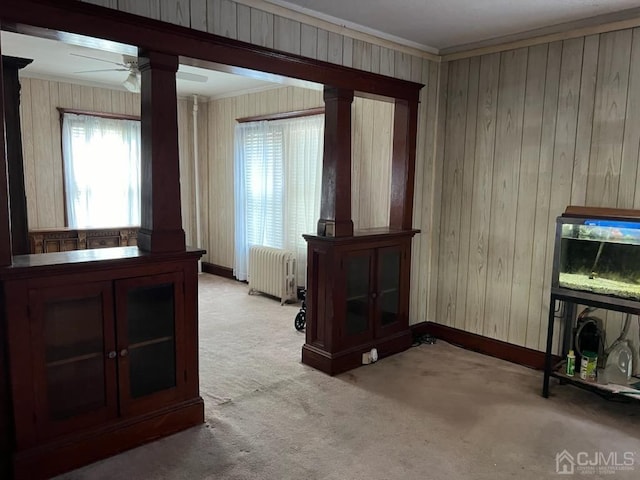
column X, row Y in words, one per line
column 272, row 271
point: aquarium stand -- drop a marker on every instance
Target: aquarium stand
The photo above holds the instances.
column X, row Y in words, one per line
column 596, row 263
column 570, row 299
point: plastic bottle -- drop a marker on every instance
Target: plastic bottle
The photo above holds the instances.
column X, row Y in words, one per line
column 571, row 364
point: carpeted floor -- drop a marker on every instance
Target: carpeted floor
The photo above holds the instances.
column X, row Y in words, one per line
column 432, row 412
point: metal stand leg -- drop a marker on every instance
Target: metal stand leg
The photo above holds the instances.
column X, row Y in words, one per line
column 548, row 356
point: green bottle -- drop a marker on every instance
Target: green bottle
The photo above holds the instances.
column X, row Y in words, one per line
column 571, row 364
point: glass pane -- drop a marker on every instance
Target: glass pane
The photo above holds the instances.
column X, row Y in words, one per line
column 390, row 283
column 152, row 368
column 358, row 275
column 150, row 316
column 74, row 356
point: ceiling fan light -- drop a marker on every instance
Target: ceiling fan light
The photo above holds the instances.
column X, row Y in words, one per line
column 132, row 83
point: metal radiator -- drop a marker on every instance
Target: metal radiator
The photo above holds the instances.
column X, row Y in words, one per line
column 272, row 271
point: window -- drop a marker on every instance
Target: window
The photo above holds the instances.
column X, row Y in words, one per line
column 101, row 171
column 278, row 169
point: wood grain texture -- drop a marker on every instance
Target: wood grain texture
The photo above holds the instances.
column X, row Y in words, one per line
column 175, row 11
column 261, row 28
column 221, row 18
column 144, row 8
column 334, row 48
column 287, row 35
column 539, row 298
column 481, row 209
column 467, row 191
column 585, row 120
column 452, row 190
column 527, row 189
column 198, row 14
column 243, row 21
column 609, row 119
column 555, row 124
column 438, row 79
column 308, row 41
column 506, row 172
column 424, row 162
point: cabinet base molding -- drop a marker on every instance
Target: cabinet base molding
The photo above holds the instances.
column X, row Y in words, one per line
column 74, row 451
column 335, row 363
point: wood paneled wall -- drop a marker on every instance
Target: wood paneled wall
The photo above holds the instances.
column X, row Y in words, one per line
column 526, row 133
column 247, row 22
column 371, row 167
column 42, row 144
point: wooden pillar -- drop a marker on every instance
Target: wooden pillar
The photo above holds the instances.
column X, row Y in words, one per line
column 335, row 208
column 161, row 221
column 5, row 222
column 15, row 165
column 403, row 163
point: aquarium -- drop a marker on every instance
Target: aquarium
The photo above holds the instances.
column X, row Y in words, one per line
column 598, row 255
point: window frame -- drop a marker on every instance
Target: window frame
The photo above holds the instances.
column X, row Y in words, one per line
column 108, row 115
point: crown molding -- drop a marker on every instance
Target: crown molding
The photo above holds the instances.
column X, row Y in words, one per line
column 580, row 28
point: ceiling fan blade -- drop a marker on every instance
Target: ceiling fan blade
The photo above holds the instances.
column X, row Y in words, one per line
column 98, row 59
column 105, row 70
column 194, row 77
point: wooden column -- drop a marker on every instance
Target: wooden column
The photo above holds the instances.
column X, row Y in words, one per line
column 15, row 166
column 161, row 221
column 5, row 259
column 405, row 124
column 335, row 208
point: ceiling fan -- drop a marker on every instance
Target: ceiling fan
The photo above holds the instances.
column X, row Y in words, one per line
column 130, row 64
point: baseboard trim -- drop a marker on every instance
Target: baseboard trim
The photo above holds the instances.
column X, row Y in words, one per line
column 478, row 343
column 219, row 270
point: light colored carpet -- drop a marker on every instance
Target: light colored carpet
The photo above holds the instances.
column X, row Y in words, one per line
column 432, row 412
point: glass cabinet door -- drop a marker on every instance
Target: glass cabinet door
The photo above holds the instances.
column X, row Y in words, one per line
column 358, row 269
column 388, row 285
column 74, row 356
column 148, row 310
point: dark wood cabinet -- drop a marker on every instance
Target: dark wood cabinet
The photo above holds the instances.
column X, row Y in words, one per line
column 102, row 354
column 357, row 297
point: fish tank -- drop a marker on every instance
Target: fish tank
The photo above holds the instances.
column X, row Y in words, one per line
column 597, row 253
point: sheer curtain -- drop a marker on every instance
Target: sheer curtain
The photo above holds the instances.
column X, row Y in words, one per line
column 101, row 171
column 278, row 170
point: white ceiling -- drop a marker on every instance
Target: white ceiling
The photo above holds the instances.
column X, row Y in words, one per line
column 53, row 60
column 439, row 24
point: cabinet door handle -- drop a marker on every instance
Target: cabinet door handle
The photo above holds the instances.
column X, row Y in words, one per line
column 374, row 295
column 124, row 352
column 112, row 355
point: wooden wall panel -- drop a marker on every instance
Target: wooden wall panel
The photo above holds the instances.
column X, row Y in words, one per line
column 175, row 11
column 222, row 18
column 287, row 35
column 609, row 118
column 527, row 190
column 456, row 120
column 482, row 175
column 555, row 124
column 539, row 298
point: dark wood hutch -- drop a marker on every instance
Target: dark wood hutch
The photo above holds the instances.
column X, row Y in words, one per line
column 98, row 348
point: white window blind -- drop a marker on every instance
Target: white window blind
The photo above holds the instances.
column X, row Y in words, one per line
column 278, row 169
column 101, row 171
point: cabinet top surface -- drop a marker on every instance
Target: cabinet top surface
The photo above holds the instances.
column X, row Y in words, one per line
column 38, row 261
column 366, row 234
